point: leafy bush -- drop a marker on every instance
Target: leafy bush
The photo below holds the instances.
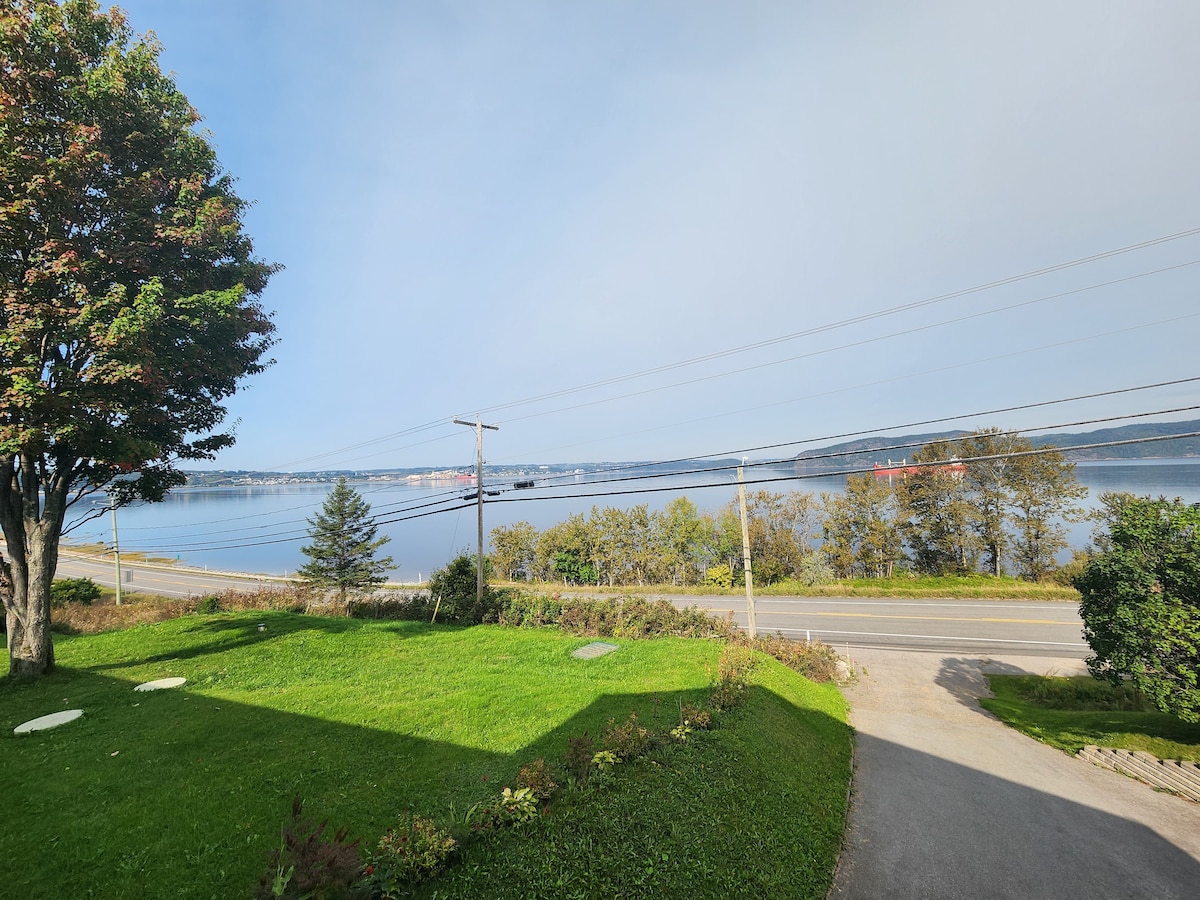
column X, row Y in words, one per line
column 83, row 591
column 455, row 592
column 309, row 865
column 814, row 660
column 719, row 575
column 628, row 740
column 536, row 777
column 510, row 808
column 414, row 851
column 209, row 605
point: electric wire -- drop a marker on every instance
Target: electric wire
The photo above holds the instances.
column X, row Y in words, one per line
column 893, row 310
column 407, row 515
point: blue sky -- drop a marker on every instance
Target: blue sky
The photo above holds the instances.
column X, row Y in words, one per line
column 483, row 203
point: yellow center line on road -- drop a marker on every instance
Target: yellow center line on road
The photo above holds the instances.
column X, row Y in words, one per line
column 861, row 615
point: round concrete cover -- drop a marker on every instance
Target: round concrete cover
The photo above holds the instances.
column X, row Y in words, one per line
column 161, row 684
column 44, row 722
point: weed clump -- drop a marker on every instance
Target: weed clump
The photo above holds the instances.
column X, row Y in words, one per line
column 309, row 864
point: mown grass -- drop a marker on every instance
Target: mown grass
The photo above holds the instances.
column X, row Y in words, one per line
column 1071, row 713
column 182, row 793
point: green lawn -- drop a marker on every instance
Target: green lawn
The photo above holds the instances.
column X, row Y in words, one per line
column 1071, row 713
column 182, row 793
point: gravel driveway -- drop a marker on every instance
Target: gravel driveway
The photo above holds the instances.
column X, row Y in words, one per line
column 948, row 802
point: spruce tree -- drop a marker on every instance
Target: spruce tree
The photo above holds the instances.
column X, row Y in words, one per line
column 342, row 552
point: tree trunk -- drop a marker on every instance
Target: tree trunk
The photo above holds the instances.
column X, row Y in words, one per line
column 30, row 650
column 32, row 521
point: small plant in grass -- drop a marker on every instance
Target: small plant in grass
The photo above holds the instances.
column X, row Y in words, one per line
column 578, row 759
column 536, row 777
column 628, row 740
column 733, row 673
column 605, row 761
column 414, row 851
column 510, row 808
column 307, row 864
column 694, row 717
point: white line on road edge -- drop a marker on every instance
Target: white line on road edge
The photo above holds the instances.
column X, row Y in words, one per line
column 940, row 637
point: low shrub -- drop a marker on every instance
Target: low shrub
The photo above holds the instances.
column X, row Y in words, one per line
column 309, row 864
column 814, row 660
column 1082, row 693
column 208, row 605
column 408, row 854
column 536, row 777
column 628, row 740
column 694, row 717
column 509, row 808
column 83, row 591
column 628, row 617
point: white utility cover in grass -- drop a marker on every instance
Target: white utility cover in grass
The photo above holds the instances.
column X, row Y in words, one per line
column 594, row 649
column 161, row 684
column 50, row 721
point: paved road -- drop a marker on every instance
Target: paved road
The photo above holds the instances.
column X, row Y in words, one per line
column 165, row 581
column 1031, row 627
column 950, row 803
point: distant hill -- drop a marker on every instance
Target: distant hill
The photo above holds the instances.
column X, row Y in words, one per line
column 857, row 454
column 866, row 452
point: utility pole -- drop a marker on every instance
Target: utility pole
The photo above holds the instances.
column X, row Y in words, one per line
column 112, row 508
column 746, row 557
column 478, row 426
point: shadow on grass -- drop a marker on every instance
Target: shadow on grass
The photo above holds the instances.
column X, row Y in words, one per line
column 178, row 793
column 235, row 632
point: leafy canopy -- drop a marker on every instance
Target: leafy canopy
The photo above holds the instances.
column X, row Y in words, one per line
column 128, row 289
column 1141, row 603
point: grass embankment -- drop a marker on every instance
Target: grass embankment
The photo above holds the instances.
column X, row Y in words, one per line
column 982, row 587
column 1071, row 713
column 184, row 792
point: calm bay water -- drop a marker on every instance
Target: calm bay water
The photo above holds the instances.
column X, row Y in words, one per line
column 261, row 528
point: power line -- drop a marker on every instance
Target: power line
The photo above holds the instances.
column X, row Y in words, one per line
column 892, row 379
column 407, row 515
column 757, row 345
column 840, row 347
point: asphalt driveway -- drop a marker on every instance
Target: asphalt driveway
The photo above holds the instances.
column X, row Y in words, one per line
column 949, row 803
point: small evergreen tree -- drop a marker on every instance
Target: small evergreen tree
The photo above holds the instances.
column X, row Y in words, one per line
column 342, row 552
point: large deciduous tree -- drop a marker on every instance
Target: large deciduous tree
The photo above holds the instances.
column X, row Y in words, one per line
column 862, row 530
column 937, row 513
column 128, row 289
column 1141, row 602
